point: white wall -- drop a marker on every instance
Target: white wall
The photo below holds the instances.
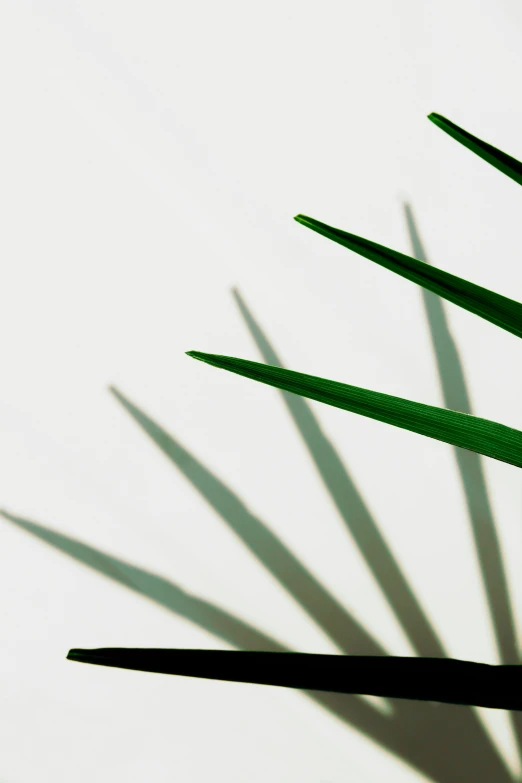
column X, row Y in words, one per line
column 153, row 156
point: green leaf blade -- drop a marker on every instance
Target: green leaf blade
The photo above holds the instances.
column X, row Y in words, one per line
column 508, row 165
column 492, row 439
column 495, row 308
column 421, row 679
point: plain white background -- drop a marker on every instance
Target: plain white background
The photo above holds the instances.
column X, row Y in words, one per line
column 153, row 156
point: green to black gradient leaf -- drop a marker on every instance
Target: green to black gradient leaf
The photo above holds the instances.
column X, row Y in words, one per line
column 468, row 750
column 489, row 305
column 459, row 429
column 421, row 679
column 500, row 160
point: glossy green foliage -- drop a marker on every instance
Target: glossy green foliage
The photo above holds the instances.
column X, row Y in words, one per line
column 509, row 166
column 431, row 679
column 494, row 307
column 460, row 429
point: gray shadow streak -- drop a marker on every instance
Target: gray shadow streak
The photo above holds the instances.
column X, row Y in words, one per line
column 207, row 616
column 162, row 591
column 474, row 756
column 352, row 509
column 303, row 587
column 428, row 720
column 444, row 725
column 487, row 546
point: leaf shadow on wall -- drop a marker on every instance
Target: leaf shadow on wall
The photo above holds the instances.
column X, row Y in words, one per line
column 447, row 743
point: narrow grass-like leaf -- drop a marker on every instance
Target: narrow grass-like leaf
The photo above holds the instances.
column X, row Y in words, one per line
column 497, row 309
column 468, row 748
column 421, row 679
column 500, row 160
column 459, row 429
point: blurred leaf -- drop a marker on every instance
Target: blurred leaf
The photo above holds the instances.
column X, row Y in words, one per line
column 460, row 429
column 500, row 160
column 164, row 592
column 456, row 396
column 468, row 749
column 356, row 514
column 344, row 630
column 422, row 679
column 497, row 309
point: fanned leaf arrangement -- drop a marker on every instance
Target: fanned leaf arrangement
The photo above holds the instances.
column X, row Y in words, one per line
column 460, row 429
column 422, row 679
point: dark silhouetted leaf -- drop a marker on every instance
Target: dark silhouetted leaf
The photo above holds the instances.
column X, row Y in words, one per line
column 421, row 679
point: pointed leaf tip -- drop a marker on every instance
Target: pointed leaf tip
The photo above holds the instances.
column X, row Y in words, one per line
column 505, row 163
column 499, row 310
column 99, row 657
column 201, row 357
column 116, row 393
column 75, row 655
